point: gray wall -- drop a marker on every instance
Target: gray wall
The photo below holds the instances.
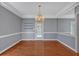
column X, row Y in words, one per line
column 68, row 40
column 77, row 16
column 27, row 26
column 9, row 24
column 64, row 25
column 50, row 25
column 78, row 32
column 8, row 21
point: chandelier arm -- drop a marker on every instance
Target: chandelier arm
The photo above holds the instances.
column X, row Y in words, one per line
column 39, row 7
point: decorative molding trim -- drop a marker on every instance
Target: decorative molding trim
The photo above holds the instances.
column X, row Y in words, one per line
column 46, row 32
column 11, row 8
column 50, row 32
column 15, row 11
column 69, row 7
column 38, row 39
column 3, row 36
column 67, row 46
column 26, row 32
column 61, row 33
column 76, row 41
column 65, row 33
column 10, row 46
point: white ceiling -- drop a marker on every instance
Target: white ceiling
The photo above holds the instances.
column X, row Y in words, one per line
column 29, row 9
column 68, row 14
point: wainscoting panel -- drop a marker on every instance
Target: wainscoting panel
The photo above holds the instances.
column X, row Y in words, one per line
column 8, row 41
column 69, row 40
column 50, row 36
column 28, row 35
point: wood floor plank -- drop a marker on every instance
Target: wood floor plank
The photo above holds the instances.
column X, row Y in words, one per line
column 39, row 48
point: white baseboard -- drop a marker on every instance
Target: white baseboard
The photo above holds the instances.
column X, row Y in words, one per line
column 10, row 46
column 52, row 40
column 39, row 39
column 67, row 46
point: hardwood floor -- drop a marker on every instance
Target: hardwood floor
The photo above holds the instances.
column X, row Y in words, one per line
column 39, row 48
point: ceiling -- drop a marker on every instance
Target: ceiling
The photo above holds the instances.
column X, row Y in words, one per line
column 29, row 9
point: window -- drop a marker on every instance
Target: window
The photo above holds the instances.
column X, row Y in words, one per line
column 72, row 28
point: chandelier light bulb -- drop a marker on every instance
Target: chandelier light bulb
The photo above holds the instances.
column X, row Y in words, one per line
column 39, row 18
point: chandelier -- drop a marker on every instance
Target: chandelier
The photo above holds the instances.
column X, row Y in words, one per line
column 39, row 18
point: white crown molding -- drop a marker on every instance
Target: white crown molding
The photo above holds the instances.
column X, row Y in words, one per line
column 32, row 16
column 15, row 11
column 39, row 39
column 68, row 8
column 68, row 16
column 10, row 8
